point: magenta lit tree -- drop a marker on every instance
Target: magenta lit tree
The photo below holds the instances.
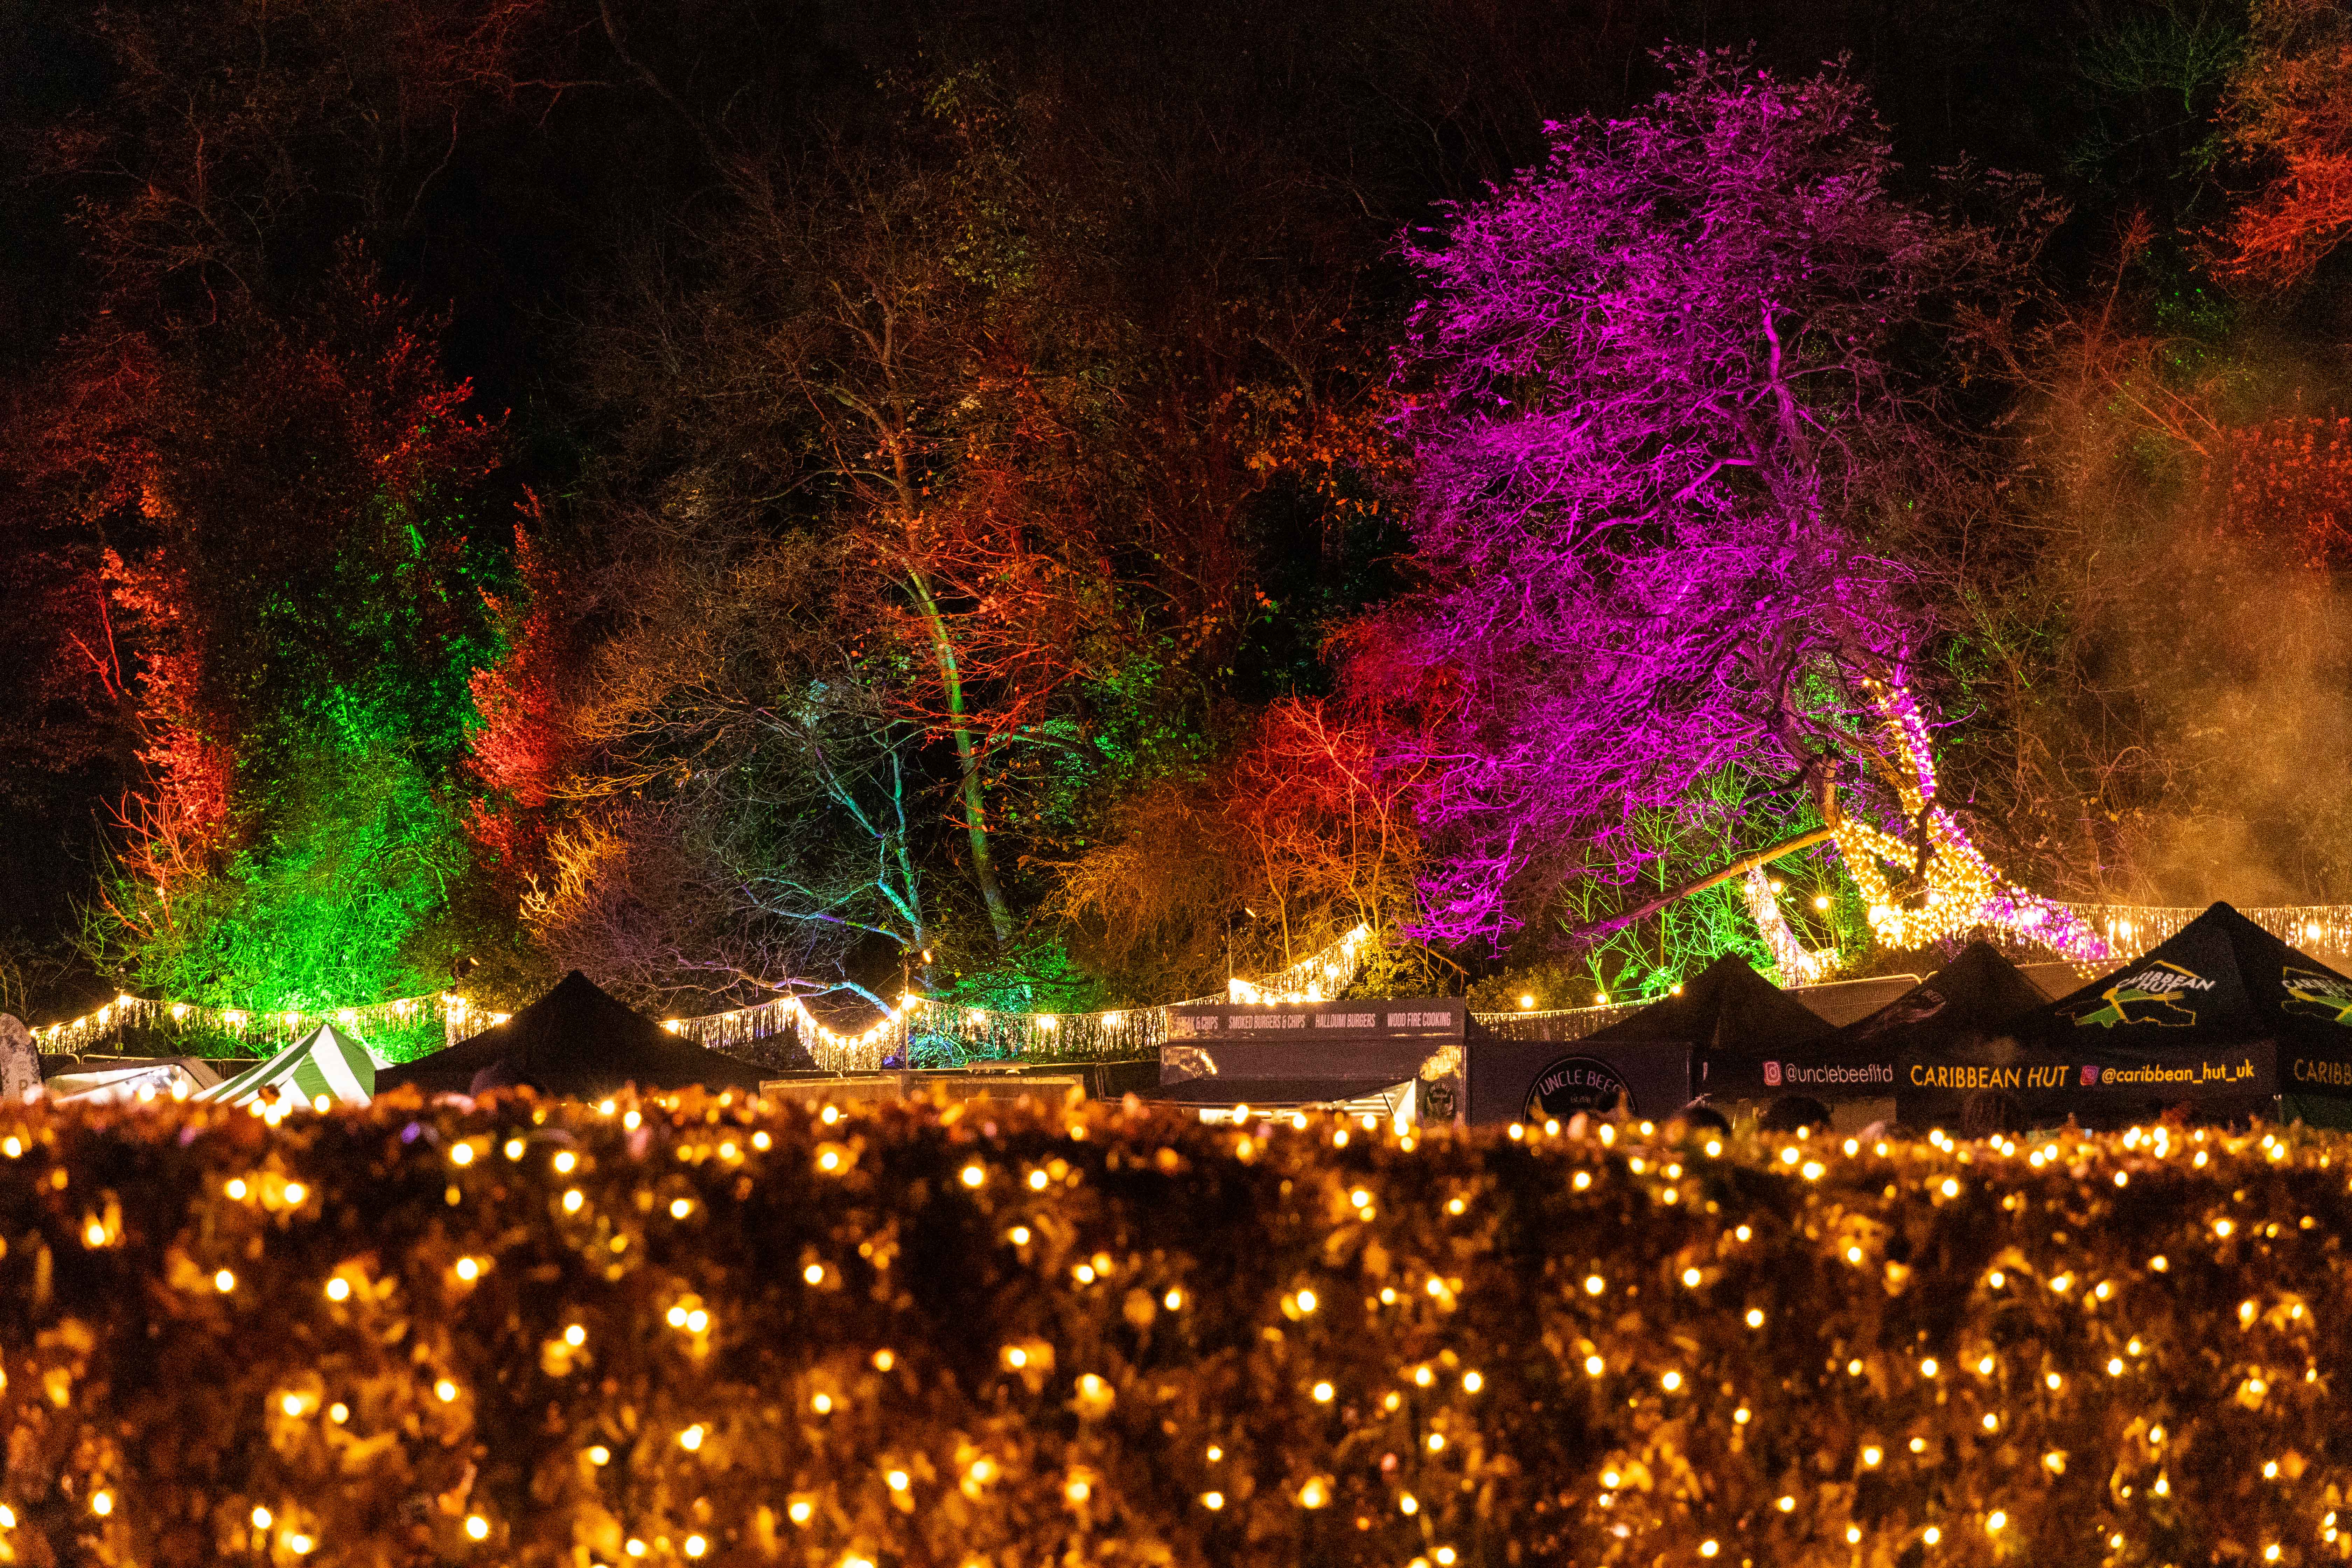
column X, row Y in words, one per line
column 1674, row 404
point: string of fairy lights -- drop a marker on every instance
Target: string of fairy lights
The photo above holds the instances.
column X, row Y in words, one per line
column 956, row 1031
column 1964, row 893
column 259, row 1027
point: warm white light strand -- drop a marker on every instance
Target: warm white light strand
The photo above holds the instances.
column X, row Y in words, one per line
column 989, row 1033
column 1797, row 964
column 271, row 1026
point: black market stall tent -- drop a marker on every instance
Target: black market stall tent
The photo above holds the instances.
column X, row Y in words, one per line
column 2222, row 1017
column 1648, row 1058
column 1393, row 1057
column 1957, row 1007
column 578, row 1041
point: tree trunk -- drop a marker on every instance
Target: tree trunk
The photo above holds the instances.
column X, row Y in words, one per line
column 968, row 792
column 1739, row 868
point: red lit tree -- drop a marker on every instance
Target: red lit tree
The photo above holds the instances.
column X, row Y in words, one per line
column 2290, row 112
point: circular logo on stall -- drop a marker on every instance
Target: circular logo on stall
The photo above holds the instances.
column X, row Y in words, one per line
column 1576, row 1083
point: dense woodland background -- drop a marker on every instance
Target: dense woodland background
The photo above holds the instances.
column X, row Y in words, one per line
column 1002, row 495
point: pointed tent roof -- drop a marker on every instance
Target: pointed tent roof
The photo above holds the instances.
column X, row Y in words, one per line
column 325, row 1061
column 1726, row 1006
column 2221, row 979
column 125, row 1076
column 1969, row 999
column 576, row 1040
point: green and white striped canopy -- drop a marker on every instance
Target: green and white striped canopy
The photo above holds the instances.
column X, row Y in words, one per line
column 326, row 1061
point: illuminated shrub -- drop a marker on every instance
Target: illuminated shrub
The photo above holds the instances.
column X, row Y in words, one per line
column 536, row 1335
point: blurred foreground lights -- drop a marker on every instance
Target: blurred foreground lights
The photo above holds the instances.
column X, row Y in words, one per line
column 1872, row 1455
column 564, row 1162
column 575, row 1336
column 696, row 1546
column 800, row 1510
column 1314, row 1494
column 469, row 1269
column 101, row 1503
column 974, row 1175
column 1754, row 1318
column 681, row 1207
column 1995, row 1523
column 691, row 1439
column 1323, row 1392
column 477, row 1527
column 599, row 1455
column 899, row 1480
column 339, row 1288
column 299, row 1544
column 1853, row 1535
column 1708, row 1548
column 813, row 1273
column 223, row 1281
column 1472, row 1382
column 1079, row 1489
column 1212, row 1502
column 1931, row 1535
column 1409, row 1504
column 572, row 1200
column 261, row 1517
column 445, row 1391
